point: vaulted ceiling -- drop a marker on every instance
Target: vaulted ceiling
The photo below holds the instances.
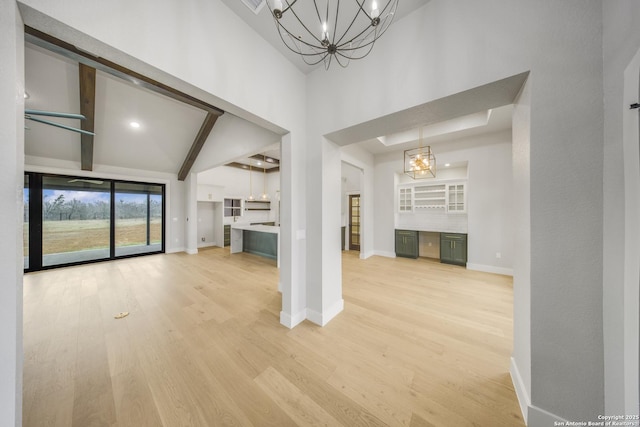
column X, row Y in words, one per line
column 263, row 24
column 168, row 127
column 166, row 131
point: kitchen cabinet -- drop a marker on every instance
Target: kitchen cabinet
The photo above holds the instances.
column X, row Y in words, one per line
column 453, row 248
column 456, row 198
column 232, row 207
column 407, row 243
column 405, row 199
column 431, row 196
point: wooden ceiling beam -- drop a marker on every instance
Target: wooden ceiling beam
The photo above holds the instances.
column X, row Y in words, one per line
column 68, row 50
column 255, row 168
column 87, row 80
column 201, row 138
column 264, row 158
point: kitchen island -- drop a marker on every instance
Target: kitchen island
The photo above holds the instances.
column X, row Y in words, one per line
column 263, row 240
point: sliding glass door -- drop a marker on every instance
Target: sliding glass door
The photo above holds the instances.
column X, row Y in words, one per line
column 73, row 220
column 138, row 209
column 76, row 216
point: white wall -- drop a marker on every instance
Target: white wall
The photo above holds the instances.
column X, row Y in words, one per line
column 206, row 229
column 520, row 366
column 232, row 138
column 174, row 190
column 448, row 47
column 11, row 185
column 186, row 45
column 364, row 162
column 621, row 42
column 489, row 200
column 235, row 183
column 210, row 193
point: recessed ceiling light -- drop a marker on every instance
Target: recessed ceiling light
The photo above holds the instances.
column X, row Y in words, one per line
column 259, row 163
column 446, row 165
column 134, row 125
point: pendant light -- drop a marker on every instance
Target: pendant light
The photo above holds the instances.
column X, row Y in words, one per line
column 250, row 184
column 420, row 163
column 335, row 30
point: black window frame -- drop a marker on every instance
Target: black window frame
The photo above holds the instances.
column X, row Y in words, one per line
column 35, row 188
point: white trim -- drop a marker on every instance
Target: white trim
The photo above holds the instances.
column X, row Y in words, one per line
column 174, row 250
column 385, row 254
column 192, row 251
column 366, row 255
column 206, row 245
column 541, row 418
column 521, row 390
column 632, row 236
column 292, row 321
column 325, row 317
column 490, row 269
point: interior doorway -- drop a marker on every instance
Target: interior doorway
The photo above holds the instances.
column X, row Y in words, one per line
column 354, row 222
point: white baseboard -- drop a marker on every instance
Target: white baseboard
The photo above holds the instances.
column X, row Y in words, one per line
column 192, row 251
column 365, row 255
column 541, row 418
column 385, row 254
column 490, row 269
column 292, row 321
column 328, row 314
column 206, row 245
column 521, row 390
column 174, row 250
column 533, row 416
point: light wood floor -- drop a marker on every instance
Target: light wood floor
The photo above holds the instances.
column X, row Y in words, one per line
column 418, row 344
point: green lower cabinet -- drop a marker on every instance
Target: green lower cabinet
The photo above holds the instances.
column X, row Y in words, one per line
column 407, row 243
column 453, row 248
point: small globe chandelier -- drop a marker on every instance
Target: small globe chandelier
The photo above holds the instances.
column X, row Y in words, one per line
column 331, row 29
column 420, row 162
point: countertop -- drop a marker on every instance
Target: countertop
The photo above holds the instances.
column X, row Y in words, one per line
column 274, row 229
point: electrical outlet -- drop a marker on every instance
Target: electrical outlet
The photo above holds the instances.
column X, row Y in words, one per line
column 203, row 239
column 498, row 255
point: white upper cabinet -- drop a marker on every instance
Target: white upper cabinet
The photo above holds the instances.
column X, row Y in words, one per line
column 456, row 198
column 405, row 199
column 433, row 197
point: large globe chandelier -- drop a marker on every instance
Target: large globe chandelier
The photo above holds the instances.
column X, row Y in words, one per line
column 331, row 29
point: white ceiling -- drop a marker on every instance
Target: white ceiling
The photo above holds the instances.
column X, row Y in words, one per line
column 263, row 24
column 168, row 127
column 499, row 119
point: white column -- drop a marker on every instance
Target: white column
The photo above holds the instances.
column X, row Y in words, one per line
column 324, row 257
column 11, row 210
column 292, row 232
column 191, row 211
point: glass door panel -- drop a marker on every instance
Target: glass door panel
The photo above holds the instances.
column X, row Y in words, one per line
column 75, row 220
column 138, row 218
column 354, row 222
